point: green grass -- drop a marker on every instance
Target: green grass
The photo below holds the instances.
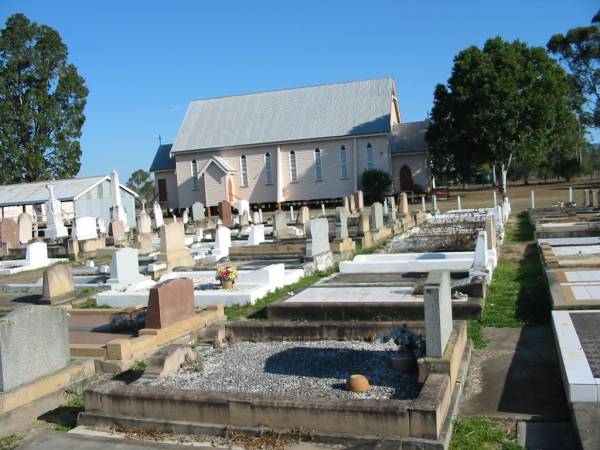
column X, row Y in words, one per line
column 10, row 442
column 477, row 433
column 88, row 304
column 258, row 311
column 519, row 232
column 517, row 295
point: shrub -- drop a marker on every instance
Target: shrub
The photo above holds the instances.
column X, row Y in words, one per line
column 375, row 183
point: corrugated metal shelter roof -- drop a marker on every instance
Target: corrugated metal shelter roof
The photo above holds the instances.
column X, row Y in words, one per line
column 163, row 160
column 330, row 110
column 409, row 137
column 36, row 192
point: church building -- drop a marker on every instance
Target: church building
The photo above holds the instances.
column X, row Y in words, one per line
column 291, row 145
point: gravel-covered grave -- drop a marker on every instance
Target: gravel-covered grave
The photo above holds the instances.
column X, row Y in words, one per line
column 299, row 369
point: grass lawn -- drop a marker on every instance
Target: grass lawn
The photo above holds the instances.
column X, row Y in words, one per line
column 476, row 433
column 517, row 295
column 258, row 311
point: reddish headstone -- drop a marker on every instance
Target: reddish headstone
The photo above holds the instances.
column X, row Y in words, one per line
column 225, row 213
column 9, row 232
column 117, row 230
column 170, row 301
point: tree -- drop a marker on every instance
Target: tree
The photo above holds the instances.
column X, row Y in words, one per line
column 504, row 103
column 579, row 50
column 143, row 185
column 375, row 182
column 42, row 98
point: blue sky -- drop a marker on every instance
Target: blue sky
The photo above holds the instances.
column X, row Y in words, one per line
column 143, row 61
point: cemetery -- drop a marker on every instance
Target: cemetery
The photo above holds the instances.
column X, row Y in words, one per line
column 416, row 411
column 245, row 253
column 568, row 247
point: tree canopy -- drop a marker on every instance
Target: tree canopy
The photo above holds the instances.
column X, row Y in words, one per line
column 42, row 98
column 143, row 185
column 375, row 183
column 503, row 103
column 579, row 50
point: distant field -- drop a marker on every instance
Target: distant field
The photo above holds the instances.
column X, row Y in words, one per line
column 520, row 196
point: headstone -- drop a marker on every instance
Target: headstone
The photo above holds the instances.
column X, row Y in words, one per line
column 458, row 203
column 34, row 343
column 438, row 313
column 376, row 216
column 385, row 207
column 101, row 225
column 244, row 218
column 170, row 302
column 222, row 241
column 145, row 243
column 257, row 234
column 260, row 215
column 323, row 212
column 172, row 246
column 434, row 209
column 198, row 211
column 303, row 216
column 158, row 217
column 124, row 268
column 144, row 223
column 85, row 228
column 346, row 203
column 392, row 211
column 256, row 217
column 358, row 199
column 34, row 219
column 490, row 231
column 118, row 211
column 352, row 204
column 317, row 237
column 57, row 284
column 341, row 223
column 423, row 206
column 364, row 222
column 225, row 213
column 9, row 232
column 55, row 227
column 292, row 217
column 404, row 205
column 586, row 198
column 279, row 222
column 480, row 259
column 25, row 228
column 37, row 255
column 243, row 205
column 185, row 218
column 117, row 230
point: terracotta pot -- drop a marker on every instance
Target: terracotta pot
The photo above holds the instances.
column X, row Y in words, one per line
column 227, row 284
column 404, row 362
column 357, row 383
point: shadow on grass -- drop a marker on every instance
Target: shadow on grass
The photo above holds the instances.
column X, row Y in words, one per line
column 521, row 232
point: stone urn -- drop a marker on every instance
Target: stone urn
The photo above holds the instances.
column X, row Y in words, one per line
column 404, row 361
column 227, row 284
column 357, row 383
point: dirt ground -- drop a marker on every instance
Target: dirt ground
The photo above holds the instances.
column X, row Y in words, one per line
column 519, row 195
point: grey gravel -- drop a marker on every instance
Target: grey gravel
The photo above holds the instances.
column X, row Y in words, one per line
column 298, row 369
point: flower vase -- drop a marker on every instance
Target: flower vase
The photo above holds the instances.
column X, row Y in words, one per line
column 404, row 361
column 227, row 284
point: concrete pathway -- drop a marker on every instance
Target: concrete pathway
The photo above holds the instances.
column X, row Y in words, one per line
column 68, row 441
column 517, row 375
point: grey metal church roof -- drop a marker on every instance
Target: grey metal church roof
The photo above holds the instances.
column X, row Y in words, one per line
column 409, row 137
column 36, row 192
column 163, row 159
column 341, row 109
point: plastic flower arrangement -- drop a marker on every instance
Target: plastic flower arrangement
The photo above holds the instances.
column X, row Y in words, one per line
column 226, row 273
column 407, row 341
